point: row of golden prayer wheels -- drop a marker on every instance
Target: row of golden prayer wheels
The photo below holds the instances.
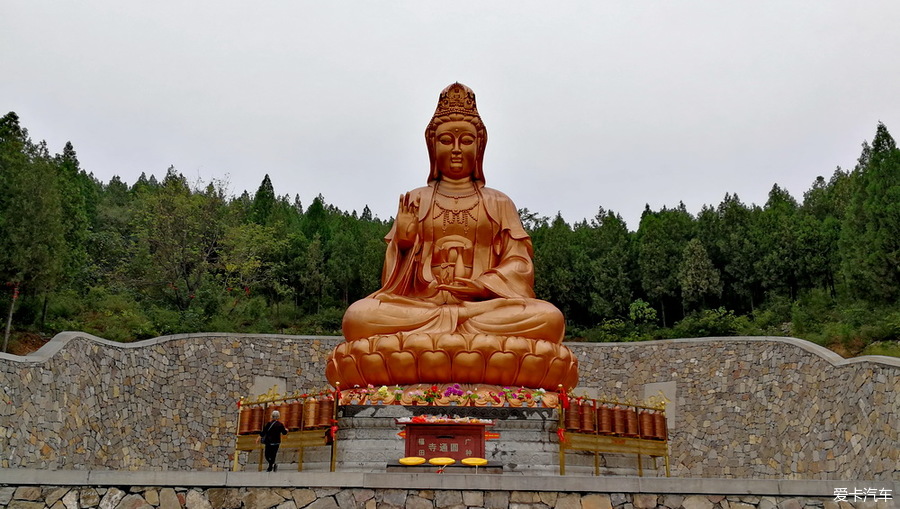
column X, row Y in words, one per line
column 301, row 414
column 618, row 419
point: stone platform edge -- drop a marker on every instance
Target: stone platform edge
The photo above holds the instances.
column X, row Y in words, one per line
column 419, row 481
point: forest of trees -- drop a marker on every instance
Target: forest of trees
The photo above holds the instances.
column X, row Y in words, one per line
column 132, row 261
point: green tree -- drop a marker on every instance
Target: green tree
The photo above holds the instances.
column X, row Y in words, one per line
column 531, row 221
column 344, row 259
column 177, row 232
column 31, row 223
column 110, row 236
column 611, row 262
column 247, row 254
column 316, row 220
column 869, row 243
column 263, row 202
column 727, row 235
column 313, row 276
column 662, row 237
column 30, row 212
column 554, row 276
column 76, row 190
column 774, row 234
column 698, row 278
column 818, row 231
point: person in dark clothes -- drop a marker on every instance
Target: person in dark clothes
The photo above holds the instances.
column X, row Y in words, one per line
column 271, row 438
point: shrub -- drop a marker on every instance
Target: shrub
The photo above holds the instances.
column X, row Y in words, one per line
column 608, row 331
column 326, row 322
column 115, row 316
column 710, row 322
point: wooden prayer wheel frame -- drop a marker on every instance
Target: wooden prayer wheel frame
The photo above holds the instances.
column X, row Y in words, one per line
column 299, row 437
column 644, row 433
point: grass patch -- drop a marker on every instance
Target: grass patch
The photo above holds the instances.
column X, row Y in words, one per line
column 887, row 348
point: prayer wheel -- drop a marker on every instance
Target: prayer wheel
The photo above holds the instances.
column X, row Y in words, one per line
column 326, row 411
column 310, row 412
column 618, row 420
column 588, row 415
column 573, row 416
column 284, row 410
column 604, row 419
column 244, row 421
column 257, row 418
column 660, row 426
column 295, row 416
column 646, row 421
column 631, row 422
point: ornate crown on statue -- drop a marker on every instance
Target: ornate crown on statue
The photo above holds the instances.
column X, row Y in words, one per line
column 457, row 98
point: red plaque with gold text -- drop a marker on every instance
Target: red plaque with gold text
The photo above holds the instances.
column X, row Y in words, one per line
column 451, row 440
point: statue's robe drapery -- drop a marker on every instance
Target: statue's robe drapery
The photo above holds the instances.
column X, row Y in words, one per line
column 501, row 261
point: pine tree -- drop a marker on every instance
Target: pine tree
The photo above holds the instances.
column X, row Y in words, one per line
column 263, row 202
column 870, row 244
column 661, row 239
column 698, row 278
column 74, row 190
column 774, row 234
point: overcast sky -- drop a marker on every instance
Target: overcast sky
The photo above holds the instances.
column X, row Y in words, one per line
column 587, row 104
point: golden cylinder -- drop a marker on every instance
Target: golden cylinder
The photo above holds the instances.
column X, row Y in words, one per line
column 587, row 417
column 259, row 418
column 326, row 411
column 244, row 422
column 631, row 422
column 660, row 427
column 646, row 421
column 604, row 419
column 310, row 413
column 573, row 416
column 283, row 410
column 295, row 416
column 618, row 420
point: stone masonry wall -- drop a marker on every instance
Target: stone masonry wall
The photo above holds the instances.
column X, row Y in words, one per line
column 162, row 404
column 746, row 407
column 127, row 497
column 763, row 408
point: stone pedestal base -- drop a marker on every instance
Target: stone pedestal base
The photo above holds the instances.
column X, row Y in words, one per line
column 527, row 443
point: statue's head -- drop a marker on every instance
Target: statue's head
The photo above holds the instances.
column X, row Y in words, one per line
column 456, row 107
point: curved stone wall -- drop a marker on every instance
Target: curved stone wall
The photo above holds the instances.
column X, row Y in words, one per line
column 162, row 404
column 743, row 407
column 763, row 407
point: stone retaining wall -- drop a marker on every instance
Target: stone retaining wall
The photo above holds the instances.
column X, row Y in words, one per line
column 744, row 407
column 134, row 497
column 38, row 489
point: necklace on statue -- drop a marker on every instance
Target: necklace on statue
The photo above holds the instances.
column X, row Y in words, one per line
column 454, row 214
column 457, row 198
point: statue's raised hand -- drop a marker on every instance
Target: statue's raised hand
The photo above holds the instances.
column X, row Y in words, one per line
column 407, row 220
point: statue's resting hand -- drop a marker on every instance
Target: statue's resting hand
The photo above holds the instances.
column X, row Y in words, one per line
column 466, row 289
column 407, row 220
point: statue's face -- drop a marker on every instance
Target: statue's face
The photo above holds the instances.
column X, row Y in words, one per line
column 456, row 149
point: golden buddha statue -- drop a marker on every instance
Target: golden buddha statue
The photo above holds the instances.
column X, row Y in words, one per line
column 457, row 302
